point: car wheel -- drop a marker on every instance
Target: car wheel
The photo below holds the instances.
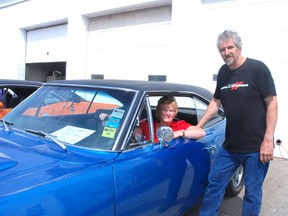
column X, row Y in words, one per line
column 236, row 184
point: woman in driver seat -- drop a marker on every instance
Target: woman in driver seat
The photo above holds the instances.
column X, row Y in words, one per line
column 166, row 112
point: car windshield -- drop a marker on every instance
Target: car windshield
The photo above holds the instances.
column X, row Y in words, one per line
column 72, row 115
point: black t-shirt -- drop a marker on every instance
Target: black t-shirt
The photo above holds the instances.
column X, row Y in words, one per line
column 242, row 93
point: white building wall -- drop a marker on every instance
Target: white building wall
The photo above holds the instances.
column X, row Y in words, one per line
column 183, row 49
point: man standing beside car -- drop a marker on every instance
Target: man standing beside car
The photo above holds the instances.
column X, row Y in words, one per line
column 246, row 90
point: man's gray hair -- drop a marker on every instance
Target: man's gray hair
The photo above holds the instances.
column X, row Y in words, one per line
column 229, row 34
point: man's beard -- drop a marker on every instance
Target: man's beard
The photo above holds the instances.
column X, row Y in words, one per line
column 229, row 62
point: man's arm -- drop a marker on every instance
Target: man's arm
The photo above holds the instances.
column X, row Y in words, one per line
column 210, row 112
column 267, row 146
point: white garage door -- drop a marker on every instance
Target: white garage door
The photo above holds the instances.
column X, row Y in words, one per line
column 47, row 44
column 131, row 44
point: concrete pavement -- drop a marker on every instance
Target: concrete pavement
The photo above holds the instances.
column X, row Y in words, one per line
column 275, row 194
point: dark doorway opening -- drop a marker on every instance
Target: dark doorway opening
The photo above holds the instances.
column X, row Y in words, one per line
column 46, row 71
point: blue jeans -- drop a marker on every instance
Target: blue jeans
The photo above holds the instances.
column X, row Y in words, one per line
column 221, row 173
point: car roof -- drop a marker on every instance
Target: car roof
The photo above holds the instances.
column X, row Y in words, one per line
column 139, row 85
column 14, row 82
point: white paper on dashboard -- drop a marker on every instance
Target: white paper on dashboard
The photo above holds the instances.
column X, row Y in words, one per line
column 71, row 134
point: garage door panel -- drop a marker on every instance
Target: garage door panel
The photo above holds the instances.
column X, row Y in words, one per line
column 47, row 45
column 131, row 18
column 136, row 37
column 130, row 57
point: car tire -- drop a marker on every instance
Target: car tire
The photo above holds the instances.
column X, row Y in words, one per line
column 236, row 184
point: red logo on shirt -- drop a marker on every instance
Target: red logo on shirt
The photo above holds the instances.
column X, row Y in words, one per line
column 236, row 85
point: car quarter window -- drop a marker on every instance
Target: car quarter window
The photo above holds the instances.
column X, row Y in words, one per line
column 138, row 137
column 200, row 110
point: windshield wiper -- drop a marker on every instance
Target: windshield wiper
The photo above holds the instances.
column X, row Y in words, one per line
column 6, row 125
column 46, row 135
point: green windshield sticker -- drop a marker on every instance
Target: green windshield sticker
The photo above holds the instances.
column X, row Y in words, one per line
column 109, row 132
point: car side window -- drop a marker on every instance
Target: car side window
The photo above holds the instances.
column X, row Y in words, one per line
column 7, row 97
column 191, row 108
column 186, row 108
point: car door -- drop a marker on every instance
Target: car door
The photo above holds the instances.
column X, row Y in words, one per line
column 154, row 180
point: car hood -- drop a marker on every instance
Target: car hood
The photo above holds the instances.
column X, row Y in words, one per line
column 28, row 160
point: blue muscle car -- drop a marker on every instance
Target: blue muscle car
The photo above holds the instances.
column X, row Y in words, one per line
column 57, row 157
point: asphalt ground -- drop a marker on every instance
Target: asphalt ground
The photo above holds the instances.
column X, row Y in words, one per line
column 275, row 194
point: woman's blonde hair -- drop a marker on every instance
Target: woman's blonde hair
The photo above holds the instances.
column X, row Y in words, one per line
column 163, row 101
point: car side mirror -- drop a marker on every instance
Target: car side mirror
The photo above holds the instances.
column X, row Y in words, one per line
column 164, row 135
